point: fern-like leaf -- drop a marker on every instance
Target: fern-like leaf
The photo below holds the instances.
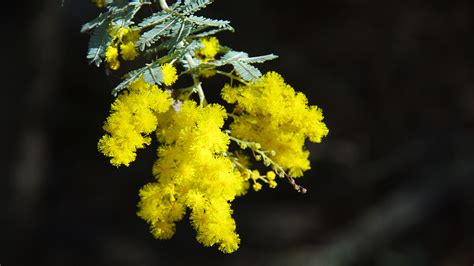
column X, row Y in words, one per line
column 122, row 17
column 235, row 56
column 153, row 74
column 179, row 33
column 198, row 20
column 246, row 71
column 128, row 78
column 95, row 22
column 153, row 35
column 155, row 19
column 192, row 6
column 201, row 32
column 98, row 42
column 117, row 3
column 258, row 59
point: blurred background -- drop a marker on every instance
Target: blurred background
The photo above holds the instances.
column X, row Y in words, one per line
column 392, row 184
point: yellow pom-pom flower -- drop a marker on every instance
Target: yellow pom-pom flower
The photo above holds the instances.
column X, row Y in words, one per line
column 209, row 50
column 193, row 172
column 278, row 118
column 128, row 51
column 257, row 186
column 111, row 57
column 132, row 119
column 169, row 74
column 271, row 175
column 121, row 33
column 124, row 38
column 197, row 172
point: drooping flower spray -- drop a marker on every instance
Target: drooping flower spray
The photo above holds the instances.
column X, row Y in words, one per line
column 197, row 169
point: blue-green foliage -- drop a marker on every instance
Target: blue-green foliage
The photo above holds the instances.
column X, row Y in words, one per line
column 172, row 33
column 117, row 15
column 242, row 63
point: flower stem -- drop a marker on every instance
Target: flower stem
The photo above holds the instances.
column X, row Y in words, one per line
column 164, row 5
column 197, row 84
column 278, row 169
column 229, row 75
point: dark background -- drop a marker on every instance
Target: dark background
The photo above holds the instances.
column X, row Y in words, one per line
column 392, row 184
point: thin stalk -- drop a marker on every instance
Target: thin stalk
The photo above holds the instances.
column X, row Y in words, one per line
column 275, row 166
column 197, row 84
column 164, row 5
column 232, row 77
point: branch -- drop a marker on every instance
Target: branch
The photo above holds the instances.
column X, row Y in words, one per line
column 262, row 155
column 164, row 5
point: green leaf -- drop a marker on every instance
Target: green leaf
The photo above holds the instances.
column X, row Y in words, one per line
column 235, row 56
column 117, row 3
column 119, row 15
column 153, row 35
column 209, row 32
column 232, row 56
column 176, row 5
column 179, row 33
column 258, row 59
column 122, row 17
column 95, row 22
column 242, row 63
column 246, row 71
column 154, row 19
column 180, row 52
column 128, row 78
column 98, row 42
column 151, row 74
column 198, row 20
column 192, row 6
column 189, row 48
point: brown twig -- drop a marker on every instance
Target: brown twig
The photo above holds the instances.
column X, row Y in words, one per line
column 297, row 187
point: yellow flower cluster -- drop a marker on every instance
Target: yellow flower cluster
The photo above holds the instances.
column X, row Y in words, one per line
column 132, row 119
column 278, row 118
column 257, row 178
column 169, row 74
column 193, row 171
column 123, row 39
column 209, row 50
